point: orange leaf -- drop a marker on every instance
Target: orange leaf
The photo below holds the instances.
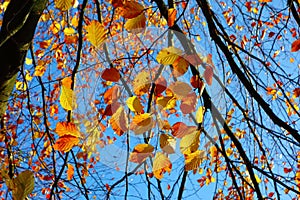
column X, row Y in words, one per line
column 197, row 82
column 265, row 1
column 111, row 108
column 70, row 172
column 130, row 9
column 161, row 164
column 180, row 66
column 171, row 16
column 141, row 152
column 111, row 95
column 167, row 143
column 119, row 122
column 188, row 103
column 160, row 85
column 137, row 24
column 295, row 46
column 141, row 123
column 66, row 143
column 67, row 128
column 208, row 74
column 179, row 129
column 111, row 74
column 180, row 89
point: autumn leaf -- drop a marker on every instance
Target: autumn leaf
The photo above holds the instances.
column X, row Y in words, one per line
column 199, row 114
column 167, row 143
column 141, row 123
column 63, row 5
column 141, row 152
column 171, row 16
column 188, row 103
column 190, row 143
column 67, row 128
column 141, row 83
column 196, row 82
column 96, row 33
column 111, row 108
column 193, row 59
column 23, row 185
column 193, row 160
column 295, row 46
column 136, row 25
column 265, row 1
column 166, row 102
column 112, row 95
column 130, row 9
column 67, row 94
column 160, row 85
column 180, row 129
column 111, row 74
column 134, row 104
column 296, row 92
column 161, row 164
column 167, row 56
column 208, row 74
column 66, row 143
column 180, row 89
column 70, row 172
column 119, row 121
column 180, row 66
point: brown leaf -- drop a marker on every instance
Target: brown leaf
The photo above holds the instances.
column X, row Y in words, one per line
column 295, row 46
column 111, row 74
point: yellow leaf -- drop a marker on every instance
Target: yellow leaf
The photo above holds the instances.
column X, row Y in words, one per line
column 190, row 143
column 39, row 70
column 161, row 164
column 141, row 152
column 180, row 89
column 141, row 123
column 134, row 104
column 141, row 83
column 137, row 24
column 96, row 33
column 28, row 61
column 66, row 95
column 167, row 56
column 66, row 143
column 69, row 31
column 67, row 128
column 199, row 114
column 70, row 172
column 21, row 86
column 167, row 143
column 63, row 5
column 163, row 102
column 193, row 160
column 119, row 121
column 24, row 185
column 257, row 178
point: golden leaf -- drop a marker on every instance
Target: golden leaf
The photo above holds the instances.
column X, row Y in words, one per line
column 193, row 160
column 137, row 24
column 141, row 123
column 190, row 143
column 63, row 5
column 199, row 114
column 141, row 83
column 130, row 9
column 119, row 121
column 167, row 143
column 67, row 128
column 167, row 56
column 180, row 66
column 134, row 104
column 96, row 33
column 70, row 172
column 180, row 89
column 141, row 152
column 161, row 164
column 66, row 95
column 23, row 185
column 66, row 143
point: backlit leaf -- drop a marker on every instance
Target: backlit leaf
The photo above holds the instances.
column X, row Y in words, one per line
column 208, row 75
column 193, row 160
column 171, row 16
column 180, row 89
column 66, row 143
column 24, row 185
column 141, row 83
column 70, row 172
column 141, row 123
column 111, row 74
column 190, row 143
column 67, row 128
column 141, row 152
column 180, row 66
column 119, row 121
column 130, row 9
column 199, row 114
column 161, row 164
column 160, row 85
column 63, row 5
column 295, row 46
column 112, row 94
column 137, row 24
column 167, row 143
column 96, row 33
column 167, row 56
column 180, row 129
column 134, row 104
column 188, row 103
column 66, row 94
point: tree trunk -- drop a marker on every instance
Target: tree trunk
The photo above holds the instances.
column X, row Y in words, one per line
column 17, row 31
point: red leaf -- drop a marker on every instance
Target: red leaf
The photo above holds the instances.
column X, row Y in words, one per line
column 287, row 170
column 160, row 85
column 111, row 74
column 295, row 46
column 296, row 92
